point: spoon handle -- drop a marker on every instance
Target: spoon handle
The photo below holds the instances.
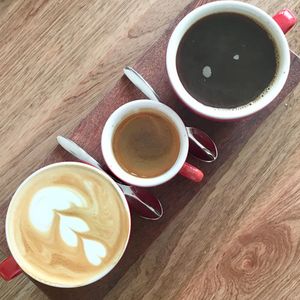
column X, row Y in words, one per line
column 138, row 80
column 77, row 151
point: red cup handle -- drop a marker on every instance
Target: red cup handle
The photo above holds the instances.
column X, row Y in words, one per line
column 191, row 172
column 285, row 19
column 9, row 268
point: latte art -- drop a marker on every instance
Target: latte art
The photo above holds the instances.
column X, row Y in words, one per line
column 68, row 224
column 55, row 200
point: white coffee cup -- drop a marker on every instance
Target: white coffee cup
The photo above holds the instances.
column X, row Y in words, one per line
column 12, row 266
column 276, row 27
column 180, row 166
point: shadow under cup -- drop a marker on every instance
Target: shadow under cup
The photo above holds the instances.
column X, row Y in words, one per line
column 263, row 20
column 124, row 112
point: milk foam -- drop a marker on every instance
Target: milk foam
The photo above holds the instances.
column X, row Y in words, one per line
column 54, row 200
column 69, row 227
column 75, row 226
column 48, row 199
column 94, row 251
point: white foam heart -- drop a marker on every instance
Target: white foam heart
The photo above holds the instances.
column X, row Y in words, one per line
column 94, row 251
column 68, row 226
column 48, row 199
column 68, row 235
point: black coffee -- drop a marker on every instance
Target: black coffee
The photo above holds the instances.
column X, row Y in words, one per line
column 226, row 60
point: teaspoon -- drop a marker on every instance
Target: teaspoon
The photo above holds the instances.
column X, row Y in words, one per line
column 140, row 200
column 201, row 145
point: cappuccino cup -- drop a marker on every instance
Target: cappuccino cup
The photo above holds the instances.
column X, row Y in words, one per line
column 67, row 226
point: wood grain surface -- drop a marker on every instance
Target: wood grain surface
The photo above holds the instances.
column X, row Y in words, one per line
column 238, row 236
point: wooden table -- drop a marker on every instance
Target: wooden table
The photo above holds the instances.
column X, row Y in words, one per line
column 238, row 237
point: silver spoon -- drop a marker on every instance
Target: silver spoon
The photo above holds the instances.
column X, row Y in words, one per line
column 202, row 146
column 142, row 201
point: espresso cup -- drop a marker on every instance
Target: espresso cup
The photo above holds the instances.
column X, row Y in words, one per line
column 67, row 225
column 179, row 166
column 276, row 27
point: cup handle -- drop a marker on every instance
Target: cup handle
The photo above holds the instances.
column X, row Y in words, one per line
column 9, row 268
column 191, row 172
column 285, row 19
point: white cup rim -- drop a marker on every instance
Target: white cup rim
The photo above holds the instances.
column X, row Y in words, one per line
column 114, row 120
column 262, row 18
column 9, row 212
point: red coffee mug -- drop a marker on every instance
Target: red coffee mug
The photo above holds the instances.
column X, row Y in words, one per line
column 281, row 23
column 9, row 269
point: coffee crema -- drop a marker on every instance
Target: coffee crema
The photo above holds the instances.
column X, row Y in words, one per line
column 67, row 225
column 146, row 144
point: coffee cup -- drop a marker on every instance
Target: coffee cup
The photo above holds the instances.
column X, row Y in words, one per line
column 141, row 136
column 274, row 28
column 67, row 225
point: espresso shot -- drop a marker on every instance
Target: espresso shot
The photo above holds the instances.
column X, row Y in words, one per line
column 226, row 60
column 146, row 144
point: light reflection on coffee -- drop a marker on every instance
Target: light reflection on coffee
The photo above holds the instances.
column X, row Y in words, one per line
column 67, row 225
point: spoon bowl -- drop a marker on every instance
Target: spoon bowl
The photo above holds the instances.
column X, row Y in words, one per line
column 206, row 150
